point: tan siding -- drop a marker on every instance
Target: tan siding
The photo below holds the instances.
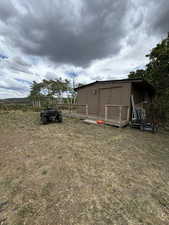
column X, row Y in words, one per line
column 113, row 95
column 89, row 96
column 98, row 95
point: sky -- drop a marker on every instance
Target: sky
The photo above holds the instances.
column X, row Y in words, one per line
column 91, row 39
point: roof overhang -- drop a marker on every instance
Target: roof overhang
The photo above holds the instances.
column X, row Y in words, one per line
column 137, row 82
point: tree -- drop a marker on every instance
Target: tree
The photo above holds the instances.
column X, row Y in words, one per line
column 157, row 73
column 137, row 74
column 49, row 89
column 35, row 92
column 59, row 87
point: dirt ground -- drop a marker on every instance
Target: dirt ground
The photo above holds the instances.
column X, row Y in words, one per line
column 78, row 174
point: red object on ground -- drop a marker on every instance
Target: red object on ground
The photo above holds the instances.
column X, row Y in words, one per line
column 99, row 121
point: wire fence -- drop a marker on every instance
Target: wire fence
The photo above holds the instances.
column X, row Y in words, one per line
column 38, row 105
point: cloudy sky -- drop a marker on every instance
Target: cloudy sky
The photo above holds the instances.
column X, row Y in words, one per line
column 94, row 39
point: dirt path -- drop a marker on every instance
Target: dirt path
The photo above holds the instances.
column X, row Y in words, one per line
column 79, row 174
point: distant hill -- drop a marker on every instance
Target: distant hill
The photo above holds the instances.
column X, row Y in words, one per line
column 15, row 100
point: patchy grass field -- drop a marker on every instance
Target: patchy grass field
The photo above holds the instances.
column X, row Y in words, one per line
column 79, row 174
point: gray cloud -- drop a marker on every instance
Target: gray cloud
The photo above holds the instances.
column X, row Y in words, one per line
column 161, row 22
column 50, row 76
column 7, row 10
column 19, row 65
column 69, row 33
column 14, row 88
column 78, row 32
column 15, row 65
column 19, row 61
column 158, row 17
column 13, row 84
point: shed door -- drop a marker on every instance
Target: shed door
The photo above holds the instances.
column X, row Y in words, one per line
column 110, row 96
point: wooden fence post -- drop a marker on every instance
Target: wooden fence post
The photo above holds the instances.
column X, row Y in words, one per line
column 128, row 114
column 120, row 114
column 87, row 111
column 39, row 104
column 70, row 108
column 105, row 112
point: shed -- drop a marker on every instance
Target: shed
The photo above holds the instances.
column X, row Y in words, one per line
column 110, row 100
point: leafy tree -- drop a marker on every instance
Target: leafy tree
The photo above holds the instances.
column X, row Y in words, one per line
column 50, row 89
column 59, row 87
column 157, row 73
column 35, row 90
column 137, row 74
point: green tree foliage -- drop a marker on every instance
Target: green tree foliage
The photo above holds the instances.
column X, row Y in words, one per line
column 35, row 90
column 137, row 74
column 58, row 89
column 157, row 73
column 49, row 88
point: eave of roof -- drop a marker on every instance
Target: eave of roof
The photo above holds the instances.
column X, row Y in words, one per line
column 138, row 80
column 111, row 81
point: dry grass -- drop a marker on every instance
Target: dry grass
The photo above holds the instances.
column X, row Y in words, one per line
column 79, row 174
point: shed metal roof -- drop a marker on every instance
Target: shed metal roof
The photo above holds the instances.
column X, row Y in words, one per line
column 138, row 81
